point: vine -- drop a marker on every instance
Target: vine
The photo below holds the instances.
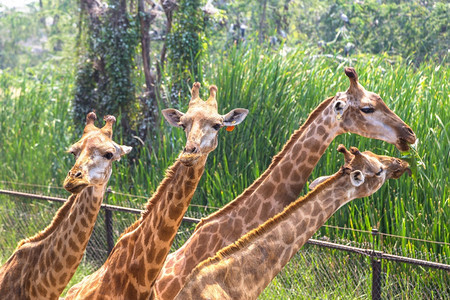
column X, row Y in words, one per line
column 104, row 80
column 184, row 45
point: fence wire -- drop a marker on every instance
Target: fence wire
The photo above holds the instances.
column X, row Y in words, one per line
column 315, row 272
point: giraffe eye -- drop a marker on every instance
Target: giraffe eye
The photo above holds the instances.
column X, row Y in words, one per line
column 379, row 172
column 367, row 110
column 217, row 126
column 108, row 155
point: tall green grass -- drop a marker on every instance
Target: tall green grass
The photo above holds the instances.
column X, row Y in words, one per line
column 280, row 90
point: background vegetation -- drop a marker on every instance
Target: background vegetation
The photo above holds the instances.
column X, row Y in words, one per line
column 279, row 59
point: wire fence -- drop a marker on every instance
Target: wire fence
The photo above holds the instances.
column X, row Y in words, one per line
column 322, row 269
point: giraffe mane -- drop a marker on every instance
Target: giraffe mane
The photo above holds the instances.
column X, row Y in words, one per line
column 170, row 172
column 59, row 217
column 255, row 233
column 275, row 160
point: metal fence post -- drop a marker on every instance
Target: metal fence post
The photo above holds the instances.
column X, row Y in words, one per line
column 376, row 269
column 108, row 224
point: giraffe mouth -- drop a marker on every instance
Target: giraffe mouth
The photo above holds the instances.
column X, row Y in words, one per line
column 75, row 186
column 402, row 145
column 189, row 159
column 398, row 173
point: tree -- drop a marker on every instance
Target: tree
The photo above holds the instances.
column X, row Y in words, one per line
column 185, row 46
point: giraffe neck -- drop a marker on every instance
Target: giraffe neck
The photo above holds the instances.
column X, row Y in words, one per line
column 245, row 268
column 282, row 184
column 45, row 263
column 135, row 261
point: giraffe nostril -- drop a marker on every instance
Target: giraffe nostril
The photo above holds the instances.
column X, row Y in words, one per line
column 78, row 174
column 191, row 149
column 410, row 131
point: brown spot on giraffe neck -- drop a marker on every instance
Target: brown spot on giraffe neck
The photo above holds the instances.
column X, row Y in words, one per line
column 33, row 291
column 265, row 211
column 313, row 159
column 165, row 232
column 83, row 222
column 295, row 176
column 301, row 157
column 317, row 209
column 135, row 268
column 130, row 291
column 287, row 234
column 41, row 290
column 81, row 236
column 175, row 211
column 276, row 175
column 71, row 260
column 286, row 169
column 191, row 173
column 73, row 218
column 58, row 265
column 161, row 255
column 313, row 144
column 122, row 261
column 179, row 195
column 152, row 273
column 52, row 279
column 321, row 130
column 189, row 187
column 73, row 245
column 310, row 131
column 266, row 190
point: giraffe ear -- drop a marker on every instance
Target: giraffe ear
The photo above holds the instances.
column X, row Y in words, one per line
column 125, row 149
column 340, row 106
column 318, row 181
column 172, row 116
column 234, row 117
column 121, row 150
column 357, row 178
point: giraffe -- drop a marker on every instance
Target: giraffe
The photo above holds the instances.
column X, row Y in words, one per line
column 243, row 269
column 356, row 110
column 42, row 265
column 134, row 263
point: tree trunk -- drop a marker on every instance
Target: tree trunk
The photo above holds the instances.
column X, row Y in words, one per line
column 169, row 7
column 149, row 109
column 262, row 22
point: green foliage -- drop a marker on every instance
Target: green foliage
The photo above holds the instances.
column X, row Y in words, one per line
column 185, row 45
column 104, row 80
column 406, row 28
column 32, row 34
column 411, row 29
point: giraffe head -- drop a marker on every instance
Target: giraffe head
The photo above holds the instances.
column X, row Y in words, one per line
column 201, row 123
column 365, row 113
column 367, row 171
column 94, row 154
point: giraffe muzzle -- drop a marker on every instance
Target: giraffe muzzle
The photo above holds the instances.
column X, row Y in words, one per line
column 407, row 137
column 189, row 159
column 75, row 182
